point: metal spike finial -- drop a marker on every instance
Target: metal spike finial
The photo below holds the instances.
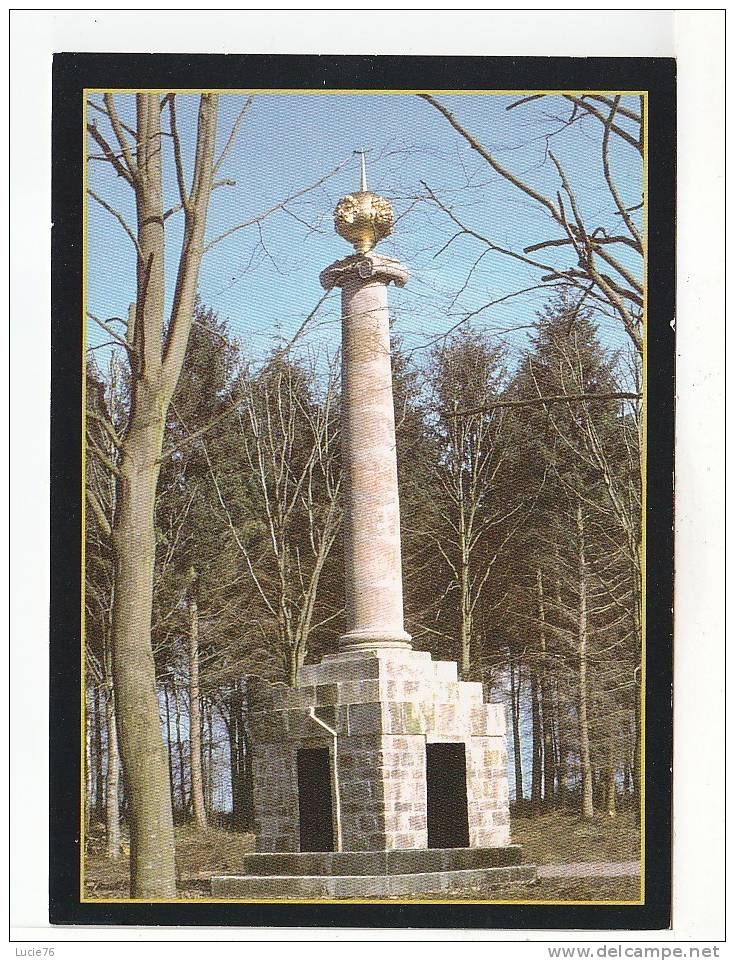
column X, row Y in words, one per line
column 363, row 173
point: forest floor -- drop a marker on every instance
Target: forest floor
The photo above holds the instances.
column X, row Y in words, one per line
column 555, row 838
column 562, row 837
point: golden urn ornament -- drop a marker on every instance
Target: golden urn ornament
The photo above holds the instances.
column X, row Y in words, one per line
column 363, row 218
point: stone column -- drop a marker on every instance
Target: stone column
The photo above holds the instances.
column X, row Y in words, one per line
column 372, row 529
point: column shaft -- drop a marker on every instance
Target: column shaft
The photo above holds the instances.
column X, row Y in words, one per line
column 372, row 529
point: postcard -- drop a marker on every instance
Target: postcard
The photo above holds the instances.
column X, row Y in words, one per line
column 362, row 500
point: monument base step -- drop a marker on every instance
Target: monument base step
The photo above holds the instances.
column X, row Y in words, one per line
column 399, row 861
column 472, row 883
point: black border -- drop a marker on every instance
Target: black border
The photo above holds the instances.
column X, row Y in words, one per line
column 71, row 74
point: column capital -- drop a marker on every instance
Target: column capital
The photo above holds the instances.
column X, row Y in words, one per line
column 368, row 266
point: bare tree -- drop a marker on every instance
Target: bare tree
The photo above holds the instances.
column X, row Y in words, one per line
column 156, row 351
column 606, row 444
column 155, row 343
column 289, row 440
column 473, row 521
column 103, row 409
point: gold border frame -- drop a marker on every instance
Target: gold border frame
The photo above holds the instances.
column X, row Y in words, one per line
column 361, row 92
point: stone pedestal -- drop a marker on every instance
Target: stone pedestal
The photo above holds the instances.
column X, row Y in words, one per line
column 375, row 711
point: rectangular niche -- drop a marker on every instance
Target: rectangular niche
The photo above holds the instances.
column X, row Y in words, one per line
column 316, row 831
column 446, row 796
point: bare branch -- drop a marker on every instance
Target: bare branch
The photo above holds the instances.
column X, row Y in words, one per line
column 623, row 211
column 218, row 183
column 192, row 242
column 564, row 241
column 99, row 513
column 115, row 336
column 119, row 217
column 180, row 179
column 233, row 135
column 202, row 430
column 518, row 103
column 101, row 109
column 120, row 134
column 485, row 153
column 109, row 153
column 623, row 271
column 601, row 117
column 552, row 271
column 102, row 456
column 107, row 426
column 623, row 111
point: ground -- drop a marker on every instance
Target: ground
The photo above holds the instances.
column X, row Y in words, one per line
column 553, row 838
column 556, row 838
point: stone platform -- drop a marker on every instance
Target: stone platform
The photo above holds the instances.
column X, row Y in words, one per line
column 407, row 861
column 375, row 886
column 375, row 874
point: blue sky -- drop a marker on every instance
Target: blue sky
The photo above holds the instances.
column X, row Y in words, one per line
column 265, row 282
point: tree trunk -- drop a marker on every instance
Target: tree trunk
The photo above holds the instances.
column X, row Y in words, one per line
column 465, row 626
column 587, row 805
column 235, row 780
column 99, row 768
column 515, row 698
column 637, row 750
column 629, row 782
column 562, row 698
column 169, row 745
column 562, row 770
column 611, row 793
column 295, row 660
column 195, row 716
column 536, row 749
column 180, row 752
column 241, row 814
column 599, row 786
column 246, row 754
column 210, row 761
column 152, row 862
column 112, row 803
column 113, row 782
column 546, row 708
column 87, row 773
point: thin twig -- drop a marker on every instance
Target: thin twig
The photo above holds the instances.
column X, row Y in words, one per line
column 233, row 135
column 119, row 217
column 120, row 340
column 276, row 207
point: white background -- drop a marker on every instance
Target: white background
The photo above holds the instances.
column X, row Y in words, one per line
column 697, row 39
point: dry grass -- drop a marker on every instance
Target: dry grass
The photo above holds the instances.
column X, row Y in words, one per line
column 199, row 855
column 562, row 837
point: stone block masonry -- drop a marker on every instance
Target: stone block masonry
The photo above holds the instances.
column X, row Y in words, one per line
column 375, row 711
column 450, row 883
